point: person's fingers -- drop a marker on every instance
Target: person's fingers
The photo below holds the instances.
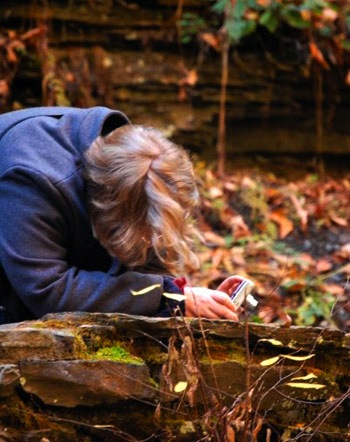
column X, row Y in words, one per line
column 207, row 303
column 230, row 284
column 223, row 307
column 222, row 298
column 220, row 311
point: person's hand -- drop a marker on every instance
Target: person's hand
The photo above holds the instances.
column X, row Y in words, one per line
column 206, row 303
column 230, row 284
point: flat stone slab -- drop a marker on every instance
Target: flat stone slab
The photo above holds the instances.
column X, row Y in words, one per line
column 72, row 383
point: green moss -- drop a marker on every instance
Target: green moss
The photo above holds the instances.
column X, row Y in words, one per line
column 117, row 353
column 157, row 359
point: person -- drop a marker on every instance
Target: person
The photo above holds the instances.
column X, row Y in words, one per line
column 95, row 217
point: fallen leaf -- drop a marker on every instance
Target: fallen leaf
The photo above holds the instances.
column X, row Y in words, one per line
column 285, row 225
column 298, row 358
column 333, row 289
column 305, row 385
column 215, row 192
column 305, row 378
column 211, row 40
column 270, row 361
column 339, row 221
column 329, row 14
column 272, row 341
column 214, row 239
column 317, row 55
column 180, row 386
column 323, row 265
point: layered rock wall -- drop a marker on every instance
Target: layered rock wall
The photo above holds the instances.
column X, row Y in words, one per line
column 110, row 377
column 129, row 55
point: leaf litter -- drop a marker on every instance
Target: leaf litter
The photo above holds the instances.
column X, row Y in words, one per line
column 291, row 237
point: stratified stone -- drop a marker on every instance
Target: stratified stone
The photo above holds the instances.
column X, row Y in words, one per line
column 9, row 379
column 81, row 382
column 34, row 343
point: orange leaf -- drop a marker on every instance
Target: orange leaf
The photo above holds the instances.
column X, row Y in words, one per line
column 285, row 225
column 191, row 78
column 339, row 221
column 211, row 40
column 333, row 289
column 263, row 3
column 323, row 265
column 329, row 14
column 33, row 33
column 11, row 55
column 214, row 239
column 347, row 78
column 344, row 252
column 295, row 287
column 317, row 55
column 217, row 258
column 4, row 88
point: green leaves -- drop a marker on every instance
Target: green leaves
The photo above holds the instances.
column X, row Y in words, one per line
column 237, row 29
column 242, row 18
column 270, row 20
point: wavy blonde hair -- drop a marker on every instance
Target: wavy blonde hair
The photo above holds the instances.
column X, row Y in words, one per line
column 141, row 190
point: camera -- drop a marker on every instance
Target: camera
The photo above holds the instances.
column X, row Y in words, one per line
column 242, row 295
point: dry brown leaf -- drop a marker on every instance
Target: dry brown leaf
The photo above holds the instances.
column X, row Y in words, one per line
column 285, row 225
column 214, row 239
column 211, row 40
column 237, row 256
column 301, row 212
column 217, row 258
column 215, row 192
column 11, row 55
column 347, row 78
column 344, row 252
column 317, row 55
column 296, row 286
column 323, row 265
column 239, row 227
column 338, row 220
column 333, row 289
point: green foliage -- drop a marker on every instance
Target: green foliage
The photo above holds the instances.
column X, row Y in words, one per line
column 244, row 16
column 315, row 306
column 190, row 25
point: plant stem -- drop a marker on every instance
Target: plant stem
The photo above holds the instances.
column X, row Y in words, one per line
column 221, row 143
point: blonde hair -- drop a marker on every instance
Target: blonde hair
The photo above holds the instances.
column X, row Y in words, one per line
column 141, row 190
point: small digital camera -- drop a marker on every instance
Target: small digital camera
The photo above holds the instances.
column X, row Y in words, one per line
column 242, row 295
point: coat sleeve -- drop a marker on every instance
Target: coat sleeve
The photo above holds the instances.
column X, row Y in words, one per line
column 34, row 231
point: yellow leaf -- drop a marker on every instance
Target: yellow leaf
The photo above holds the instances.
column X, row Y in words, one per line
column 305, row 385
column 176, row 296
column 180, row 386
column 298, row 358
column 145, row 290
column 272, row 341
column 269, row 361
column 305, row 378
